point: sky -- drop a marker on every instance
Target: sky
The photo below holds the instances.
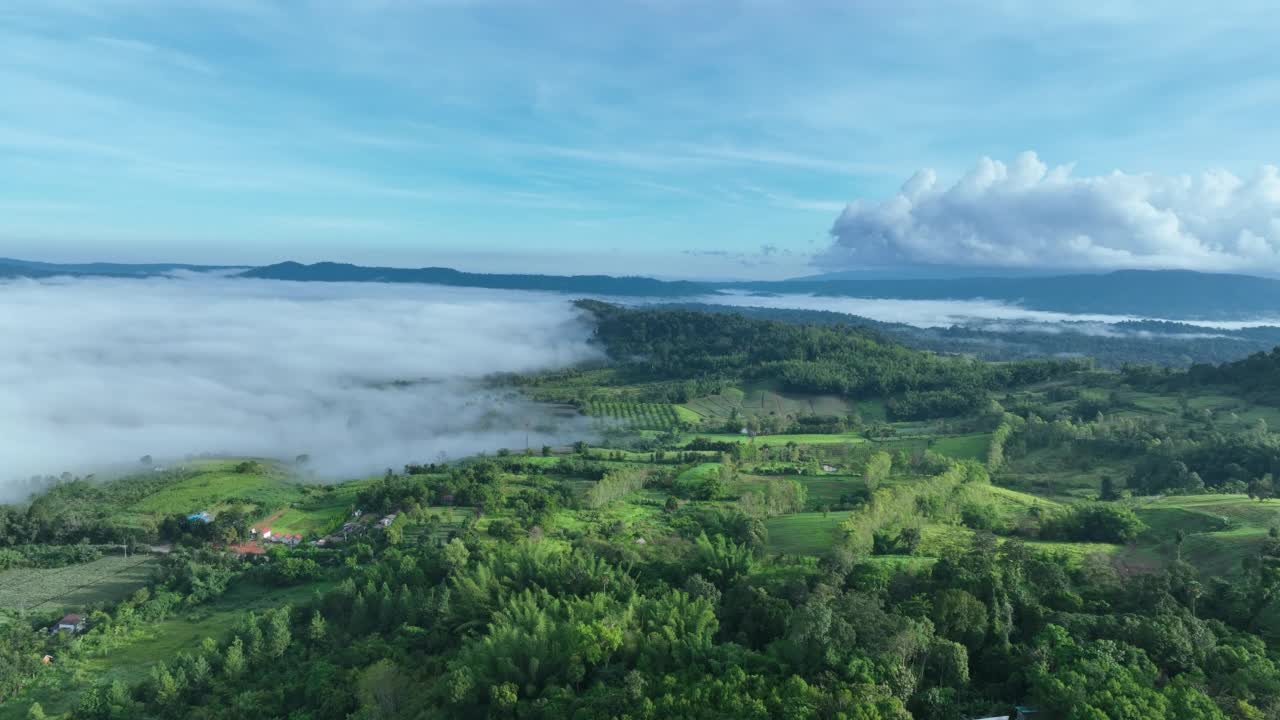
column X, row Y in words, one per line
column 681, row 139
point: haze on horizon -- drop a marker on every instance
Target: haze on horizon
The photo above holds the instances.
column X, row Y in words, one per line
column 722, row 139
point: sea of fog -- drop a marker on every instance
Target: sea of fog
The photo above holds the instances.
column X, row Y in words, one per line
column 946, row 313
column 98, row 371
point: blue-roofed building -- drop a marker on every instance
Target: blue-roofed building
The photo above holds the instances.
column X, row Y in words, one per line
column 200, row 516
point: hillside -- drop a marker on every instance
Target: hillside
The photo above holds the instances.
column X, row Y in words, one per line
column 1112, row 345
column 776, row 520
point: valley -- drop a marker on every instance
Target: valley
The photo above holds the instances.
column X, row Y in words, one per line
column 751, row 494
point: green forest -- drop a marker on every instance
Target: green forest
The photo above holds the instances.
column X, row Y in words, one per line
column 768, row 519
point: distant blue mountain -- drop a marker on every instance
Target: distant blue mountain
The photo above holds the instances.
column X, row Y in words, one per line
column 10, row 267
column 1172, row 294
column 580, row 284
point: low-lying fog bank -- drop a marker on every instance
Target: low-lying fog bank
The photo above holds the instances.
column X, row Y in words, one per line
column 946, row 313
column 101, row 371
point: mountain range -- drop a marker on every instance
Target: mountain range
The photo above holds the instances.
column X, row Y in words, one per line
column 1170, row 294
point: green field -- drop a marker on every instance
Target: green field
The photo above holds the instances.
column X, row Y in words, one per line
column 963, row 447
column 691, row 480
column 698, row 472
column 309, row 521
column 217, row 486
column 1220, row 530
column 106, row 579
column 807, row 533
column 827, row 489
column 317, row 512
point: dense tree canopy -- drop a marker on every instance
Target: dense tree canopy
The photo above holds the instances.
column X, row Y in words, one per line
column 836, row 359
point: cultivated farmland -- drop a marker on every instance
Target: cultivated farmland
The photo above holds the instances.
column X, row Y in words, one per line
column 106, row 579
column 637, row 416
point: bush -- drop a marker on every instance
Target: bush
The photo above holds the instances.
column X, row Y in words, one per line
column 980, row 516
column 1093, row 522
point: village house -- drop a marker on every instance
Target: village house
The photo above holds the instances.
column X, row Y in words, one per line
column 246, row 550
column 202, row 516
column 386, row 521
column 70, row 622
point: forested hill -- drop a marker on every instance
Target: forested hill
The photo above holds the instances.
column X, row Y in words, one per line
column 836, row 359
column 1111, row 345
column 593, row 284
column 1172, row 294
column 1257, row 376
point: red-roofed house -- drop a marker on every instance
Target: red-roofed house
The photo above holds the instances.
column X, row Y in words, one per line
column 70, row 622
column 247, row 549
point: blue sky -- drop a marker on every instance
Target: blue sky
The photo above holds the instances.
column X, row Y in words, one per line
column 669, row 138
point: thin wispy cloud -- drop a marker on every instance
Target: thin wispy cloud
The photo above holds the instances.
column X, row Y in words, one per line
column 975, row 313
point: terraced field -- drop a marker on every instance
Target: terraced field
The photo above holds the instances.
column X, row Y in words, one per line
column 638, row 416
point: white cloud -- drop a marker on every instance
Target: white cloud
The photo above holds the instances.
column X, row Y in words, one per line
column 1027, row 215
column 919, row 313
column 102, row 371
column 976, row 313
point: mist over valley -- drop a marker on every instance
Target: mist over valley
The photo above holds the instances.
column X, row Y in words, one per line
column 101, row 371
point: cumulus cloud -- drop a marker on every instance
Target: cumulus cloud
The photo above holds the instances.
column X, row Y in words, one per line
column 99, row 371
column 1026, row 214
